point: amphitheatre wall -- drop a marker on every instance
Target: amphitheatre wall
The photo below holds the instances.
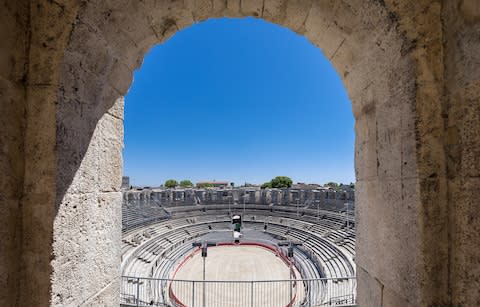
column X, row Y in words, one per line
column 331, row 199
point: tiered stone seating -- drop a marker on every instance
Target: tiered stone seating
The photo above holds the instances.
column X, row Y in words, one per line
column 156, row 243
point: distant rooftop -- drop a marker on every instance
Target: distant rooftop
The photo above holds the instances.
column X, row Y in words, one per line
column 213, row 182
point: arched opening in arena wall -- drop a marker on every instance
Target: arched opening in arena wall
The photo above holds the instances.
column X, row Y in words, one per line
column 81, row 64
column 238, row 115
column 371, row 56
column 182, row 121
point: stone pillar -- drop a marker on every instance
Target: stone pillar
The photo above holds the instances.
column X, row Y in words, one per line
column 462, row 143
column 14, row 18
column 87, row 225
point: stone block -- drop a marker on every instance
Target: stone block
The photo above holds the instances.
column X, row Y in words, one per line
column 369, row 289
column 117, row 110
column 252, row 7
column 345, row 58
column 120, row 77
column 388, row 122
column 10, row 248
column 470, row 10
column 40, row 150
column 296, row 14
column 466, row 264
column 347, row 17
column 87, row 233
column 219, row 7
column 408, row 145
column 274, row 10
column 392, row 299
column 367, row 80
column 331, row 40
column 12, row 50
column 468, row 130
column 80, row 87
column 123, row 42
column 12, row 103
column 365, row 192
column 366, row 145
column 233, row 8
column 429, row 127
column 201, row 9
column 50, row 27
column 109, row 139
column 95, row 162
column 78, row 160
column 108, row 296
column 89, row 50
column 389, row 247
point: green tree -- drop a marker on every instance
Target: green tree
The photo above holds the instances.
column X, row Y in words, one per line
column 333, row 185
column 281, row 182
column 266, row 185
column 186, row 183
column 171, row 183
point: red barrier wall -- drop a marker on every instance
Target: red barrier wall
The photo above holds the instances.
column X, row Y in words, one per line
column 270, row 248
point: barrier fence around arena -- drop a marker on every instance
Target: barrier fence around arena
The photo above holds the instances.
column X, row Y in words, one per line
column 142, row 291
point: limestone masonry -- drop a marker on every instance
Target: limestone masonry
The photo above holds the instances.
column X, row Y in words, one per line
column 334, row 199
column 411, row 69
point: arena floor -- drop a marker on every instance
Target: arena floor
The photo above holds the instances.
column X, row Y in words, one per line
column 236, row 263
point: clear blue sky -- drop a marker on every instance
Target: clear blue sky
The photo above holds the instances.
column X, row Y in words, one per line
column 240, row 100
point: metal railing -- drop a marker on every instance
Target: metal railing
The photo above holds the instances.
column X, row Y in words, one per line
column 142, row 291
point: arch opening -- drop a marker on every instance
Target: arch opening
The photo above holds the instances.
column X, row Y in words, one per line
column 221, row 94
column 250, row 79
column 363, row 43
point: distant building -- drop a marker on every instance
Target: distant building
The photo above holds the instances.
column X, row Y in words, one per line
column 125, row 182
column 214, row 184
column 305, row 186
column 251, row 185
column 347, row 187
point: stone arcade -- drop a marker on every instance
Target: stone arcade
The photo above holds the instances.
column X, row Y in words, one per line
column 411, row 68
column 333, row 199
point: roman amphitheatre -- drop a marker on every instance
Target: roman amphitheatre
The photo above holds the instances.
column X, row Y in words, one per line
column 411, row 70
column 162, row 265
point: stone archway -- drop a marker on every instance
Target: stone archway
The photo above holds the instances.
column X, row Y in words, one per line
column 108, row 43
column 80, row 62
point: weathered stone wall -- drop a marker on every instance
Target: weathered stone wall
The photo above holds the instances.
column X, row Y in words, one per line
column 364, row 44
column 411, row 69
column 416, row 192
column 50, row 24
column 170, row 197
column 13, row 58
column 462, row 144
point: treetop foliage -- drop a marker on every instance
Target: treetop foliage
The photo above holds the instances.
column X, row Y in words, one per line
column 278, row 182
column 267, row 185
column 171, row 183
column 186, row 183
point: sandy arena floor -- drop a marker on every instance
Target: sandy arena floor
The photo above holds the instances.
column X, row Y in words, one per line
column 236, row 263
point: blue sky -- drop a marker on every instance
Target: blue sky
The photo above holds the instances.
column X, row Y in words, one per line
column 240, row 100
